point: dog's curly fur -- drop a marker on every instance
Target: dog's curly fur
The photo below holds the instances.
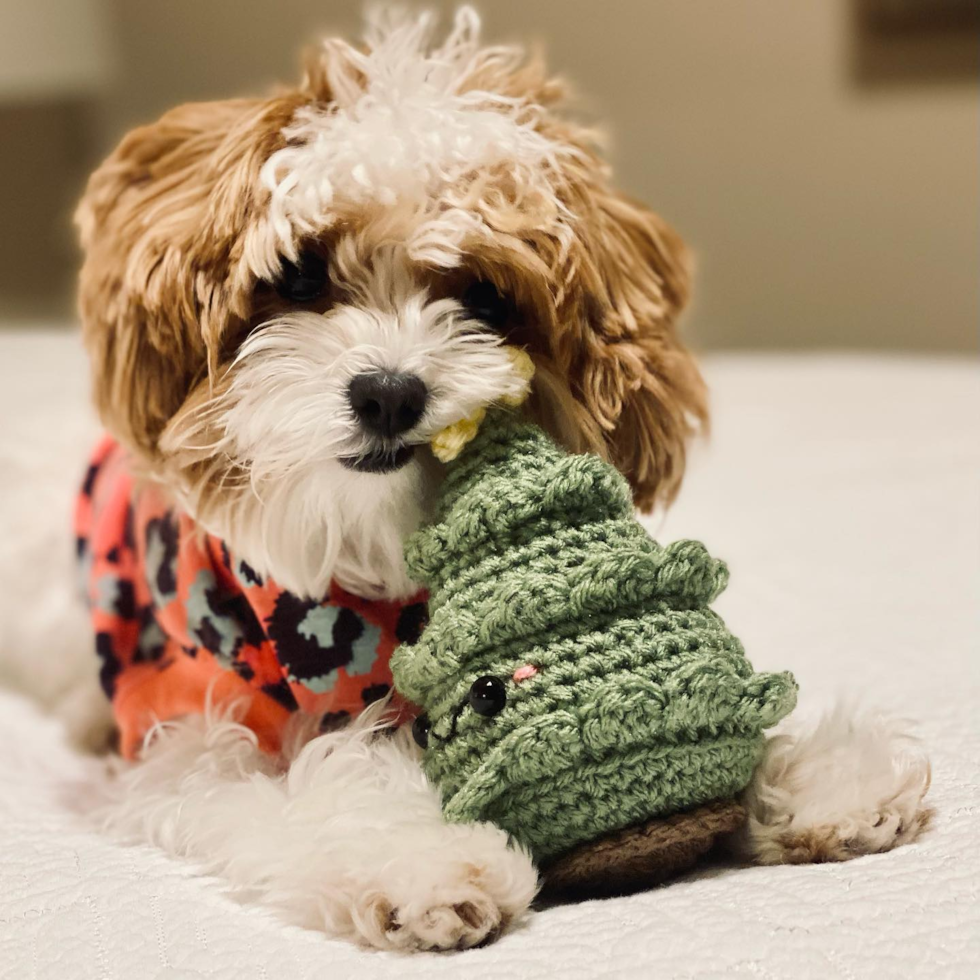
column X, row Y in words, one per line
column 413, row 170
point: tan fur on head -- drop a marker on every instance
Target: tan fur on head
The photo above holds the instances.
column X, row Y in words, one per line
column 626, row 281
column 164, row 223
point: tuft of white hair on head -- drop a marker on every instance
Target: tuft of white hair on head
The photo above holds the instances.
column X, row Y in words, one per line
column 854, row 785
column 402, row 124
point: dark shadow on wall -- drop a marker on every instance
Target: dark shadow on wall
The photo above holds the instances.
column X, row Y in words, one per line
column 42, row 173
column 915, row 41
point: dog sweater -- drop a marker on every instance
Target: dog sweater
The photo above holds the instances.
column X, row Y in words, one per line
column 180, row 622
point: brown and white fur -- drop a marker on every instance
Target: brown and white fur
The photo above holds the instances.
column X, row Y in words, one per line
column 411, row 170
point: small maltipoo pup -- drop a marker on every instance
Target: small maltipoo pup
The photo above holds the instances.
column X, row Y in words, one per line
column 284, row 299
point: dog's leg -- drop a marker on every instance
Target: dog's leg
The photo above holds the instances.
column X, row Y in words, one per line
column 349, row 839
column 852, row 786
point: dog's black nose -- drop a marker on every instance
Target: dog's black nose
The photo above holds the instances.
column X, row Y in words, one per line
column 387, row 403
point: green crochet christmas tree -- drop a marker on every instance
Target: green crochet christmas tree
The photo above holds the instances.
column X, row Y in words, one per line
column 573, row 677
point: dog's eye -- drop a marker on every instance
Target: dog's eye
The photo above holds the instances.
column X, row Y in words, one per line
column 484, row 302
column 487, row 696
column 302, row 281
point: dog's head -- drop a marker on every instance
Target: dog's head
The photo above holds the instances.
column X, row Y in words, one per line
column 285, row 297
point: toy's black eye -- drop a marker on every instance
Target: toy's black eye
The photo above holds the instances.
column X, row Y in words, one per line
column 487, row 696
column 304, row 280
column 420, row 731
column 484, row 302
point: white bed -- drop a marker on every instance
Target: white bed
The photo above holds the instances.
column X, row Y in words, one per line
column 843, row 490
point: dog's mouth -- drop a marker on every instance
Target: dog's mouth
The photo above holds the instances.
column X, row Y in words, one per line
column 379, row 460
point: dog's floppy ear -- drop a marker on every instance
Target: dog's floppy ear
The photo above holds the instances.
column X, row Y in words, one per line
column 162, row 225
column 636, row 378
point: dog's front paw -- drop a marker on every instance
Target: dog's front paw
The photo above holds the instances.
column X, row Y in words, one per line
column 465, row 918
column 461, row 893
column 853, row 786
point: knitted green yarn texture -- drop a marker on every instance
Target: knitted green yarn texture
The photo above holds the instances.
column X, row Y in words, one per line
column 573, row 677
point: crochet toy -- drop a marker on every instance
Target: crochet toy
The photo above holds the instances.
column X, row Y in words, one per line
column 578, row 690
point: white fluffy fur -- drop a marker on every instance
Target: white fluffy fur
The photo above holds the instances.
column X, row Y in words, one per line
column 349, row 839
column 400, row 130
column 853, row 785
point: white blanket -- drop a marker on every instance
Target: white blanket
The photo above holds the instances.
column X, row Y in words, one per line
column 843, row 493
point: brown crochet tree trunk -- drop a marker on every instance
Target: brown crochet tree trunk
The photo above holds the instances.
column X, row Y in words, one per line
column 640, row 857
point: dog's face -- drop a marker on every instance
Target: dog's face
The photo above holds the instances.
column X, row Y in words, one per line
column 286, row 298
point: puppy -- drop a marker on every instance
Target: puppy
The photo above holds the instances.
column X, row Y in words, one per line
column 284, row 299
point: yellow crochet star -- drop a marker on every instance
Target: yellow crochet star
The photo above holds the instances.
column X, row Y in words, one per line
column 523, row 367
column 448, row 443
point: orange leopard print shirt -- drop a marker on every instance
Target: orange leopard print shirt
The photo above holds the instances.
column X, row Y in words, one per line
column 179, row 620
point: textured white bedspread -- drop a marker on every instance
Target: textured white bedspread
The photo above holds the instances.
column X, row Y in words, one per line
column 844, row 493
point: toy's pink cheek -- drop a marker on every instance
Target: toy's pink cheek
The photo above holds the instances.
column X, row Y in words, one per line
column 523, row 673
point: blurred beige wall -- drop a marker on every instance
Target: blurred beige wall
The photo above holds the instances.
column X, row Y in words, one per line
column 829, row 204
